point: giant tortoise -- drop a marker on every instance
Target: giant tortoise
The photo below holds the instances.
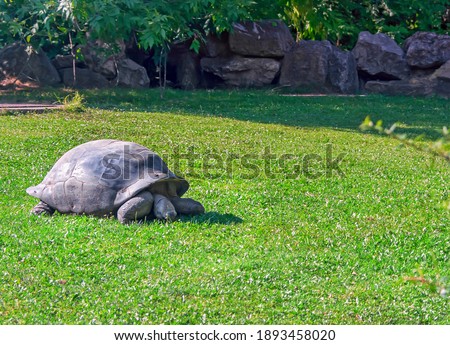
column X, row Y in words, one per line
column 111, row 177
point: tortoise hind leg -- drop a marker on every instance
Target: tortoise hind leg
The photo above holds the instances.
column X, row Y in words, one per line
column 136, row 208
column 43, row 208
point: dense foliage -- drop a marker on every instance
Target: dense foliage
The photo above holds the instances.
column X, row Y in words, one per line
column 341, row 21
column 155, row 23
column 152, row 22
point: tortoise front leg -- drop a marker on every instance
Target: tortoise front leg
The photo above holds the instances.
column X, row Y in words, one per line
column 163, row 208
column 136, row 208
column 43, row 208
column 187, row 206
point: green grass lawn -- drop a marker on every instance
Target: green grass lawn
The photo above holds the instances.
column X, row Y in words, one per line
column 281, row 242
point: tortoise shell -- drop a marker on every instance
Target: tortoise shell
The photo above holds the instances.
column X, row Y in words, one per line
column 97, row 177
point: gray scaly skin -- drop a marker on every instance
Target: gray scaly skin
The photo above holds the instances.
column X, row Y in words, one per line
column 136, row 208
column 167, row 204
column 42, row 209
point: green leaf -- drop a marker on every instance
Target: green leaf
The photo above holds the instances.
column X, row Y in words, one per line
column 195, row 45
column 367, row 124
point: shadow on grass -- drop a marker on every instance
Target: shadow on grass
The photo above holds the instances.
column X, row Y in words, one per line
column 206, row 218
column 417, row 115
column 213, row 218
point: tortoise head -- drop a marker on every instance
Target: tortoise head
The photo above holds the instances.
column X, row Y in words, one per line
column 170, row 187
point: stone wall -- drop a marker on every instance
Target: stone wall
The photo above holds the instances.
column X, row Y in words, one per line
column 420, row 68
column 257, row 55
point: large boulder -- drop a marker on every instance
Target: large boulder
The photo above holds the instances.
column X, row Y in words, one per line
column 84, row 78
column 267, row 38
column 65, row 61
column 241, row 71
column 183, row 66
column 306, row 65
column 103, row 57
column 343, row 74
column 442, row 79
column 21, row 62
column 411, row 87
column 443, row 72
column 188, row 71
column 427, row 50
column 130, row 74
column 217, row 45
column 319, row 66
column 379, row 57
column 423, row 84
